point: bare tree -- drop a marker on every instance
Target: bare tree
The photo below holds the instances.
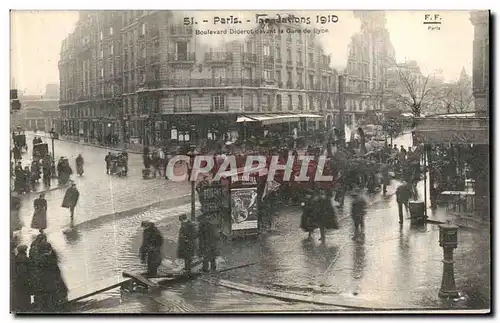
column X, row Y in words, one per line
column 458, row 97
column 414, row 90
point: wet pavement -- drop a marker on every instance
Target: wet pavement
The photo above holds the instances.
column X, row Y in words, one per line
column 100, row 194
column 392, row 265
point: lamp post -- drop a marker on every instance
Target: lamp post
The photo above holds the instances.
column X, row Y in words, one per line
column 52, row 134
column 192, row 155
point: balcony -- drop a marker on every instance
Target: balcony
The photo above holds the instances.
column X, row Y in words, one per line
column 181, row 58
column 218, row 57
column 154, row 59
column 181, row 31
column 141, row 62
column 300, row 85
column 268, row 59
column 249, row 58
column 280, row 84
column 251, row 83
column 289, row 63
column 153, row 84
column 300, row 64
column 289, row 85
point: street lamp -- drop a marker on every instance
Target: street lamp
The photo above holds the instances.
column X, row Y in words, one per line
column 52, row 134
column 192, row 154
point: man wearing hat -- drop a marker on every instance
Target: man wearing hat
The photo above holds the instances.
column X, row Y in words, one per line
column 21, row 297
column 150, row 251
column 70, row 199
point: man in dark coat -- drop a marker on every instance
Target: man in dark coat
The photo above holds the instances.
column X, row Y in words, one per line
column 145, row 157
column 150, row 250
column 403, row 193
column 71, row 199
column 108, row 160
column 49, row 287
column 384, row 170
column 40, row 215
column 21, row 297
column 186, row 241
column 17, row 153
column 358, row 212
column 47, row 172
column 208, row 243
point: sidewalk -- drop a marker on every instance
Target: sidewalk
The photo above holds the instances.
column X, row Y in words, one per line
column 393, row 268
column 130, row 148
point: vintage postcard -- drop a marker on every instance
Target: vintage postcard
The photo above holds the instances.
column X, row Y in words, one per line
column 167, row 161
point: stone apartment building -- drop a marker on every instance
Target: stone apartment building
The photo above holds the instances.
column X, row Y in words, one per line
column 368, row 66
column 144, row 77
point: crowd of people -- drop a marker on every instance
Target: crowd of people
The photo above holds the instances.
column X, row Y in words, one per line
column 36, row 278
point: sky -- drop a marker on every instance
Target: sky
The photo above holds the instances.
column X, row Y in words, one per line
column 36, row 38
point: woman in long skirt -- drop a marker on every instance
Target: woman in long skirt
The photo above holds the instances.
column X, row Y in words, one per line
column 308, row 219
column 39, row 221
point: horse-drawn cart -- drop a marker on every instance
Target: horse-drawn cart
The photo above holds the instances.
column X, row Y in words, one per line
column 19, row 138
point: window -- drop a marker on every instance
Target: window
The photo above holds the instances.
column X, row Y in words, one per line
column 143, row 52
column 111, row 30
column 311, row 81
column 311, row 59
column 101, row 54
column 289, row 54
column 101, row 35
column 182, row 50
column 267, row 101
column 267, row 50
column 278, row 76
column 248, row 47
column 311, row 103
column 182, row 103
column 278, row 51
column 143, row 29
column 102, row 72
column 299, row 56
column 267, row 75
column 301, row 103
column 156, row 73
column 102, row 89
column 299, row 77
column 278, row 102
column 112, row 49
column 247, row 73
column 218, row 102
column 248, row 101
column 219, row 73
column 290, row 102
column 289, row 77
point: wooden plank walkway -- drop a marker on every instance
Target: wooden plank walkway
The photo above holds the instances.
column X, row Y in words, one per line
column 100, row 286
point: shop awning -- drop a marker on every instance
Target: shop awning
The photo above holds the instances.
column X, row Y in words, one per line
column 267, row 119
column 310, row 116
column 453, row 128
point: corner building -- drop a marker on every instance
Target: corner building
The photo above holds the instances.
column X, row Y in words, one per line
column 144, row 76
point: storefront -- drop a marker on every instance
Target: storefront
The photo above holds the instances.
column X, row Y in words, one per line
column 457, row 151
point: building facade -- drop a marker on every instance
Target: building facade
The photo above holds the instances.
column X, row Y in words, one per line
column 370, row 55
column 145, row 77
column 38, row 112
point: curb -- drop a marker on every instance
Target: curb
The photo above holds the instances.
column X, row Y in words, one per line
column 461, row 226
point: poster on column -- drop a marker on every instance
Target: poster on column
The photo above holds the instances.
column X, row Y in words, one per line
column 244, row 209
